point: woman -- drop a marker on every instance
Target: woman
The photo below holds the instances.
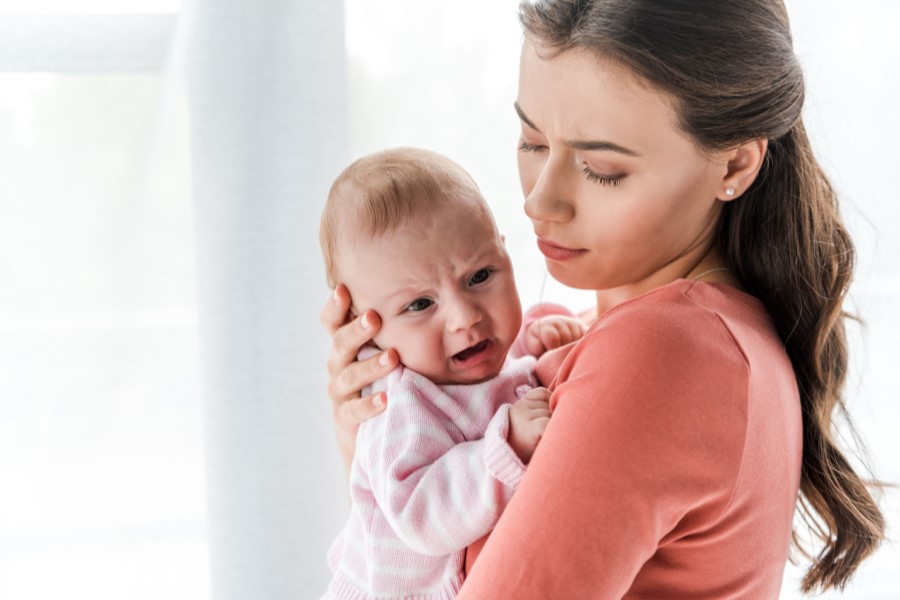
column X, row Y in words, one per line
column 665, row 165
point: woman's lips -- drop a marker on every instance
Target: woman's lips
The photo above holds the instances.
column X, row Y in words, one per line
column 558, row 253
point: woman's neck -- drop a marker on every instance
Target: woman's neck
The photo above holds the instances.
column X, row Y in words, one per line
column 708, row 268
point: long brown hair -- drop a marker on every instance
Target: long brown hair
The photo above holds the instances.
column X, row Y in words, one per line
column 730, row 67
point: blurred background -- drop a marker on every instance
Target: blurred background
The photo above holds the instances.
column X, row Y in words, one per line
column 164, row 426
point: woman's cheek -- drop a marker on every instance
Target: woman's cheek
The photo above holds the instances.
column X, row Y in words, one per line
column 529, row 169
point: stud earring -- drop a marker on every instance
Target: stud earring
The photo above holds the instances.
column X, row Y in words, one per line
column 729, row 191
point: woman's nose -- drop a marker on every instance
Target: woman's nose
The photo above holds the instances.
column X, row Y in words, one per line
column 548, row 198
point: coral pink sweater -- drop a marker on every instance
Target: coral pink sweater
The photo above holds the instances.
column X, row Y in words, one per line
column 670, row 466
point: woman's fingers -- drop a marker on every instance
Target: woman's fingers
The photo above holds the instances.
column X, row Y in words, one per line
column 347, row 376
column 336, row 311
column 348, row 339
column 353, row 412
column 349, row 381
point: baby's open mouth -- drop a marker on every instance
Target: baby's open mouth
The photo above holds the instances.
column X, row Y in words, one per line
column 472, row 350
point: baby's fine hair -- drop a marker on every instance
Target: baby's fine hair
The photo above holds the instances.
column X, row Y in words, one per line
column 383, row 191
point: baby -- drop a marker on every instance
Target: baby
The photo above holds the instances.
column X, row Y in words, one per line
column 409, row 234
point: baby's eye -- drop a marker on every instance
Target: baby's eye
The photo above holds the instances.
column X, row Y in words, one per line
column 419, row 304
column 480, row 276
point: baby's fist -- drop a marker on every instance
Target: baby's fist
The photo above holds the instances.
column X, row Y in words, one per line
column 553, row 331
column 528, row 418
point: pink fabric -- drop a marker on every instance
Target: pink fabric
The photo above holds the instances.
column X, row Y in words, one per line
column 671, row 464
column 431, row 475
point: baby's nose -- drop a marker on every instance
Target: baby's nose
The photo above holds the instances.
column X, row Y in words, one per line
column 463, row 315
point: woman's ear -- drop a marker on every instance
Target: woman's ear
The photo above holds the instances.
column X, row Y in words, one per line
column 743, row 165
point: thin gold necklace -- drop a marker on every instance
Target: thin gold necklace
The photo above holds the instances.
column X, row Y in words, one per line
column 704, row 273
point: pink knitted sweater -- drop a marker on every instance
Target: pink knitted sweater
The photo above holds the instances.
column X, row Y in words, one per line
column 431, row 475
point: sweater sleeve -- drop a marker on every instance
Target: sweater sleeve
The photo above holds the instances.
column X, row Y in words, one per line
column 438, row 491
column 644, row 442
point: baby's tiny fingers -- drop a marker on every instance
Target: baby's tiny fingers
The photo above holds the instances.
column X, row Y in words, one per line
column 538, row 393
column 551, row 338
column 539, row 425
column 576, row 330
column 533, row 407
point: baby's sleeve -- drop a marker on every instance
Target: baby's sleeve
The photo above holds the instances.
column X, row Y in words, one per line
column 438, row 491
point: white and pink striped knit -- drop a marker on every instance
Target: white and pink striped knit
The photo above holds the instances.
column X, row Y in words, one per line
column 431, row 475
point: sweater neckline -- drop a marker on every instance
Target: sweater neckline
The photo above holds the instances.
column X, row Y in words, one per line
column 730, row 291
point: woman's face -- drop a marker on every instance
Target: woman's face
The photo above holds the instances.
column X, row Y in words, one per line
column 618, row 195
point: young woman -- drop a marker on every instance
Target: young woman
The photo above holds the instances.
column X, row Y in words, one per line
column 665, row 165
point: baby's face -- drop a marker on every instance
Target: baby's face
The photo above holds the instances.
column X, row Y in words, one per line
column 444, row 288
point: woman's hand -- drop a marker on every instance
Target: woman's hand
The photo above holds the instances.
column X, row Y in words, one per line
column 347, row 376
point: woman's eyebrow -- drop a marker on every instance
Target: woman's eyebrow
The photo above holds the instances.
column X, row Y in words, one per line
column 525, row 119
column 601, row 146
column 591, row 146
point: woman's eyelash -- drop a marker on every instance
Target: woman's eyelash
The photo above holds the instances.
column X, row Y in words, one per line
column 526, row 147
column 611, row 180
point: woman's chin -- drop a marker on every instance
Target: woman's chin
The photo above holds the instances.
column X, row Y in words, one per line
column 571, row 277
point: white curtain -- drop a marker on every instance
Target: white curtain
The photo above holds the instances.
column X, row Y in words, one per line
column 268, row 116
column 164, row 427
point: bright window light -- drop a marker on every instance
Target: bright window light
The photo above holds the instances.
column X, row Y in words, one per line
column 32, row 7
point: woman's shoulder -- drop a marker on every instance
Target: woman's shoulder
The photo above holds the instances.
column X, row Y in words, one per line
column 685, row 325
column 685, row 313
column 688, row 299
column 670, row 354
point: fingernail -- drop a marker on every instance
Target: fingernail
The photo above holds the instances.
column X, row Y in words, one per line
column 378, row 399
column 334, row 296
column 384, row 359
column 364, row 321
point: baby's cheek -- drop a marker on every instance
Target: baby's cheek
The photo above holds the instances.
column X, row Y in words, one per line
column 389, row 336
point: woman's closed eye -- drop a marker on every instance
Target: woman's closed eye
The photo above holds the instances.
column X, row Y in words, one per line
column 526, row 147
column 611, row 180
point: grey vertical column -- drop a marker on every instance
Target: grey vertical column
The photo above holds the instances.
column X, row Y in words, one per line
column 268, row 122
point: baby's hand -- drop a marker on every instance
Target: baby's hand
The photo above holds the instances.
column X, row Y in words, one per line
column 528, row 418
column 553, row 331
